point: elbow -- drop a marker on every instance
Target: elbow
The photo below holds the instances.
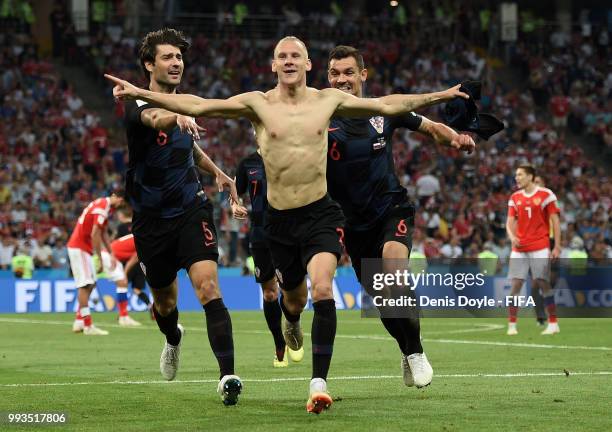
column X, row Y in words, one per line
column 161, row 122
column 156, row 121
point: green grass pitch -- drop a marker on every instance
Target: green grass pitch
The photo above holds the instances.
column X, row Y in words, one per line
column 483, row 379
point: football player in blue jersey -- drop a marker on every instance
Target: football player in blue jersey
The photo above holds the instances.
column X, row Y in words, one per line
column 251, row 177
column 379, row 217
column 173, row 223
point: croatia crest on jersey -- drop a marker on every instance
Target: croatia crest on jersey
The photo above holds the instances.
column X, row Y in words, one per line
column 378, row 123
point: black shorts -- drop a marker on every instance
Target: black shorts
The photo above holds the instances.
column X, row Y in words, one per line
column 296, row 235
column 396, row 225
column 136, row 277
column 164, row 246
column 262, row 258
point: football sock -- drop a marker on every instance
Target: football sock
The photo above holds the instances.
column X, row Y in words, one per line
column 144, row 298
column 411, row 327
column 288, row 315
column 273, row 314
column 86, row 316
column 168, row 326
column 512, row 313
column 392, row 326
column 219, row 327
column 122, row 301
column 323, row 335
column 551, row 308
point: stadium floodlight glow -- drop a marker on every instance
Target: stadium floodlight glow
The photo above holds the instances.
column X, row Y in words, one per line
column 393, row 3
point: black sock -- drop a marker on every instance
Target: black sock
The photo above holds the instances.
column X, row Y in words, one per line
column 144, row 298
column 411, row 327
column 273, row 314
column 323, row 335
column 288, row 315
column 393, row 328
column 219, row 327
column 168, row 326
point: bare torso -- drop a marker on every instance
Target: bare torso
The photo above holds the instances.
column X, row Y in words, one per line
column 292, row 137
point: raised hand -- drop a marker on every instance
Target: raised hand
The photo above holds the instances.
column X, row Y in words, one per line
column 223, row 181
column 239, row 211
column 464, row 143
column 188, row 125
column 454, row 92
column 123, row 89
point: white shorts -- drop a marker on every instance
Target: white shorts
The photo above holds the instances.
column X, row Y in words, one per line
column 536, row 261
column 82, row 267
column 115, row 274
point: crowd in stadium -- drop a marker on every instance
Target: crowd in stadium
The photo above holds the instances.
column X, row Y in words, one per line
column 56, row 157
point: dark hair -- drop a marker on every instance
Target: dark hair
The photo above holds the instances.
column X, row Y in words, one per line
column 165, row 36
column 344, row 51
column 529, row 169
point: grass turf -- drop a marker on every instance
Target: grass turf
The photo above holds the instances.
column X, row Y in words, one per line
column 115, row 381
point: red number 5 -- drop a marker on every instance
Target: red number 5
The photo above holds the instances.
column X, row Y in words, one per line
column 208, row 235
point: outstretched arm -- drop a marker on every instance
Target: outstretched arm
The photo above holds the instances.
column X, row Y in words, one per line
column 442, row 134
column 392, row 105
column 190, row 105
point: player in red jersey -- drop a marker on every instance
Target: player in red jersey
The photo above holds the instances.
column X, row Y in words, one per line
column 124, row 249
column 88, row 239
column 530, row 211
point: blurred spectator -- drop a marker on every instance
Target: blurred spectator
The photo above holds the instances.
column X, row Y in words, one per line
column 22, row 264
column 42, row 256
column 7, row 249
column 452, row 249
column 559, row 108
column 427, row 187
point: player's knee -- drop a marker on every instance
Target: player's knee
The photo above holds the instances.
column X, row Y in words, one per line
column 322, row 290
column 270, row 295
column 165, row 305
column 395, row 250
column 207, row 289
column 295, row 305
column 269, row 290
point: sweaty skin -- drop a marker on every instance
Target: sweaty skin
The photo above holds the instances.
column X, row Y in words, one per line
column 290, row 121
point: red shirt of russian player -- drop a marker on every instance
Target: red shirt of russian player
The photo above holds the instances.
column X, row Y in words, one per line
column 96, row 213
column 124, row 247
column 533, row 213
